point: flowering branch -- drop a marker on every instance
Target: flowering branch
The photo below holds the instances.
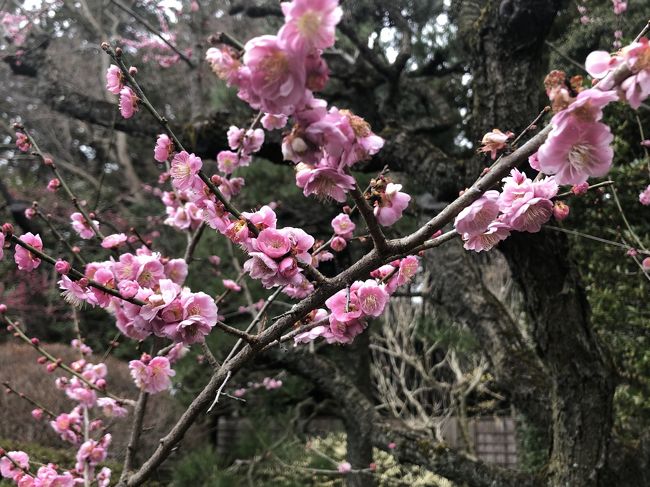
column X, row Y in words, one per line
column 116, row 55
column 57, row 234
column 34, row 342
column 73, row 198
column 29, row 400
column 73, row 272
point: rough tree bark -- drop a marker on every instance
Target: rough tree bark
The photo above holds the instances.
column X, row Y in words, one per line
column 506, row 42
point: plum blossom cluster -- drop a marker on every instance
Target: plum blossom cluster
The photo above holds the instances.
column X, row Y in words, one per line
column 170, row 310
column 349, row 310
column 577, row 148
column 76, row 427
column 523, row 205
column 276, row 257
column 279, row 75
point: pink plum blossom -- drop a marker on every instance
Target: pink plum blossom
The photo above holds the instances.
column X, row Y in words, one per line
column 184, row 170
column 273, row 243
column 495, row 232
column 128, row 102
column 344, row 467
column 576, row 151
column 82, row 227
column 644, row 196
column 25, row 260
column 324, row 181
column 310, row 24
column 372, row 298
column 252, row 141
column 343, row 226
column 495, row 141
column 114, row 240
column 224, row 62
column 231, row 285
column 7, row 468
column 273, row 122
column 152, row 374
column 62, row 266
column 392, row 204
column 114, row 79
column 276, row 81
column 164, row 148
column 228, row 161
column 476, row 218
column 587, row 107
column 235, row 136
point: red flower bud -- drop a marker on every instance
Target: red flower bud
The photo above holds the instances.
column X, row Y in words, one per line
column 3, row 308
column 35, row 341
column 8, row 229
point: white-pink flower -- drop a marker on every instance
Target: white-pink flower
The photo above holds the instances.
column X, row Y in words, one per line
column 310, row 24
column 114, row 80
column 184, row 170
column 25, row 260
column 82, row 227
column 576, row 151
column 164, row 148
column 128, row 102
column 392, row 204
column 644, row 196
column 152, row 374
column 114, row 240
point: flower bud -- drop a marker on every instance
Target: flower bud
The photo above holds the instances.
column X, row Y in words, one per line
column 105, row 46
column 133, row 70
column 632, row 253
column 118, row 52
column 37, row 414
column 579, row 189
column 560, row 210
column 8, row 229
column 35, row 341
column 347, row 210
column 338, row 244
column 216, row 179
column 53, row 185
column 48, row 161
column 3, row 308
column 62, row 267
column 41, row 360
column 101, row 383
column 51, row 367
column 30, row 213
column 76, row 249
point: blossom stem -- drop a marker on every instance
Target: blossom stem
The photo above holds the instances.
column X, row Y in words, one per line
column 64, row 185
column 74, row 272
column 57, row 234
column 136, row 430
column 236, row 332
column 595, row 238
column 593, row 186
column 29, row 400
column 376, row 233
column 137, row 235
column 21, row 334
column 177, row 143
column 193, row 243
